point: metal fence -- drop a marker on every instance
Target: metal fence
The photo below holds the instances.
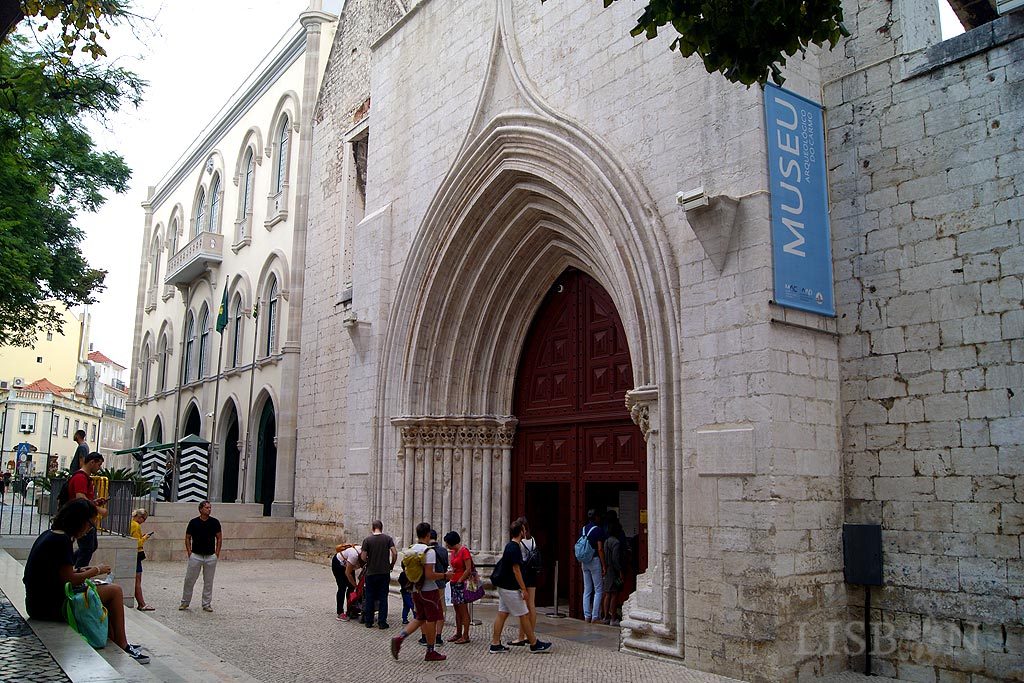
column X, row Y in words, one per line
column 28, row 507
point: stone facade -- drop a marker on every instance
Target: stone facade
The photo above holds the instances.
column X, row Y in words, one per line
column 464, row 155
column 927, row 178
column 231, row 213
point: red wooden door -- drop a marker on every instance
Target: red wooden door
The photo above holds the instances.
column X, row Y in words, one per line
column 574, row 430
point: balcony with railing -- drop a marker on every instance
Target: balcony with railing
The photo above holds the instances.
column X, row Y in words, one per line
column 205, row 250
column 117, row 413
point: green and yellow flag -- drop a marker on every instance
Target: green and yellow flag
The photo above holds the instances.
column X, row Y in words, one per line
column 222, row 317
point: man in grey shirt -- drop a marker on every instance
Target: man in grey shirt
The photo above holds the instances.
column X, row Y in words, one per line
column 83, row 450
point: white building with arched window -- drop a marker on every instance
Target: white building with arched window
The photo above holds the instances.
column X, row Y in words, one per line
column 208, row 228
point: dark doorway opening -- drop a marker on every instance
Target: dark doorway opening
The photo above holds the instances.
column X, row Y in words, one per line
column 266, row 458
column 193, row 422
column 547, row 508
column 229, row 489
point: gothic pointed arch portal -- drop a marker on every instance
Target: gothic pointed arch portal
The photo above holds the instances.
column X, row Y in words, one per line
column 576, row 448
column 232, row 457
column 530, row 193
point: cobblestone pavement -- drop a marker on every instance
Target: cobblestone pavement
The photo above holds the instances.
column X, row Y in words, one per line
column 22, row 655
column 275, row 620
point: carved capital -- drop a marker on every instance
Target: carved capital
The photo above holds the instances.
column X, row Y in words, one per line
column 642, row 404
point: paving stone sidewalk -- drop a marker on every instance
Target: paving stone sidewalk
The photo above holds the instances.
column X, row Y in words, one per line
column 275, row 620
column 22, row 655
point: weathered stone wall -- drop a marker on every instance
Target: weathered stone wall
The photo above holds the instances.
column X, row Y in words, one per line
column 329, row 481
column 926, row 158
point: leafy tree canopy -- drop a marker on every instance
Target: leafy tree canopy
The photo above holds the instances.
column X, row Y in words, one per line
column 82, row 22
column 50, row 170
column 745, row 40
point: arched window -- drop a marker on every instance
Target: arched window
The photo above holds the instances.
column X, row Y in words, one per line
column 144, row 370
column 204, row 341
column 282, row 155
column 173, row 235
column 161, row 363
column 190, row 343
column 272, row 296
column 237, row 330
column 250, row 171
column 154, row 259
column 198, row 226
column 214, row 224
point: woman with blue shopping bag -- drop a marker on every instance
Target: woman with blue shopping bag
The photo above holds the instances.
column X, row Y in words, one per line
column 55, row 591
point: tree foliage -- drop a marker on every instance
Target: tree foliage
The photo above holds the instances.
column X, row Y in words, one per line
column 82, row 22
column 50, row 170
column 745, row 40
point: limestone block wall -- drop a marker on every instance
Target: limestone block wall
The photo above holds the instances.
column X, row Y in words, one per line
column 332, row 477
column 927, row 178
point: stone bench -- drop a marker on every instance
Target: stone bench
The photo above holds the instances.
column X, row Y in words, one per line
column 76, row 657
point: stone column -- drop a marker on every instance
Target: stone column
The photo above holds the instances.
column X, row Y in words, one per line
column 287, row 426
column 466, row 441
column 505, row 435
column 486, row 436
column 140, row 303
column 428, row 435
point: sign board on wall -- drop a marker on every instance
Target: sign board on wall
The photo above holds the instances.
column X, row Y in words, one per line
column 801, row 243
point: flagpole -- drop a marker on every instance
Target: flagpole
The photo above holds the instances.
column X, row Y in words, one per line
column 252, row 381
column 221, row 318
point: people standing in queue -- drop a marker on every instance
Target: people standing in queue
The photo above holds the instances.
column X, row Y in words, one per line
column 594, row 570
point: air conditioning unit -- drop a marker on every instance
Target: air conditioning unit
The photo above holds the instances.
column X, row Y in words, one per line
column 4, row 384
column 19, row 382
column 1007, row 6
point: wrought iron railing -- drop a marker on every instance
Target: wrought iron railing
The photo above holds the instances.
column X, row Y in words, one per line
column 28, row 507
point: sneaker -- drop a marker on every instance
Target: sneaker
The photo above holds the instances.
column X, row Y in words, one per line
column 434, row 656
column 540, row 646
column 405, row 622
column 497, row 649
column 384, row 626
column 207, row 608
column 369, row 624
column 396, row 645
column 135, row 653
column 437, row 643
column 182, row 606
column 518, row 643
column 342, row 617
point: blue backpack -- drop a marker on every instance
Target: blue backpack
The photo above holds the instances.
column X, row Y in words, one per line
column 584, row 551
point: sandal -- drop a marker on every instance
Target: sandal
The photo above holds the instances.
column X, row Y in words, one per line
column 146, row 608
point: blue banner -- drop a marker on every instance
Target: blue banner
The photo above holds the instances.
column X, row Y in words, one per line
column 801, row 243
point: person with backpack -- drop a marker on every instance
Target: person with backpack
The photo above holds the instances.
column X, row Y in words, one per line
column 589, row 551
column 531, row 572
column 419, row 564
column 405, row 588
column 441, row 567
column 80, row 486
column 512, row 594
column 344, row 564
